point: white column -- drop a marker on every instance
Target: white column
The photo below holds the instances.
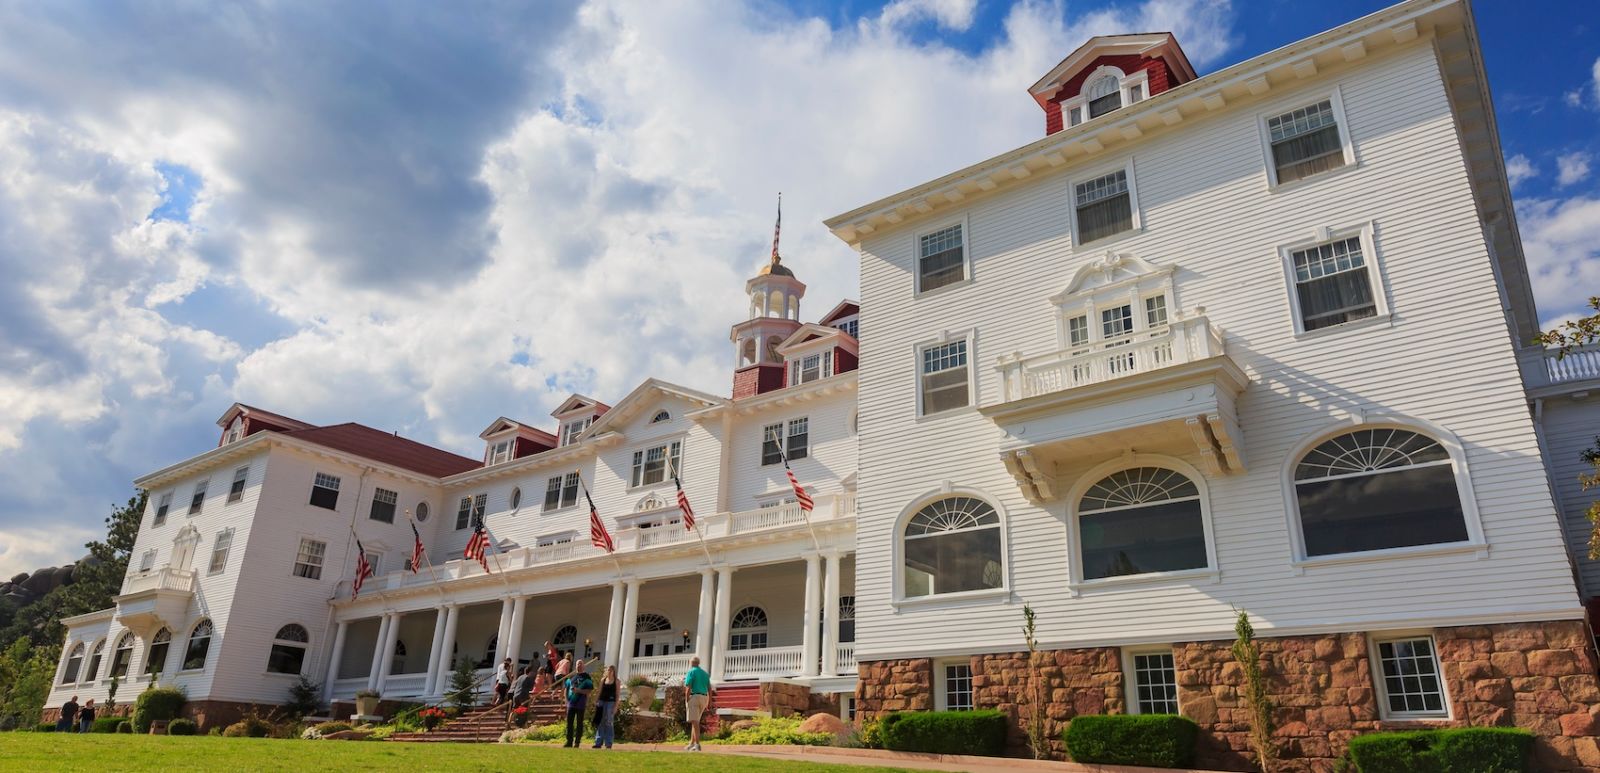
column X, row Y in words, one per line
column 386, row 651
column 809, row 649
column 501, row 634
column 630, row 621
column 719, row 646
column 830, row 615
column 614, row 627
column 703, row 636
column 435, row 647
column 447, row 660
column 335, row 658
column 377, row 654
column 519, row 608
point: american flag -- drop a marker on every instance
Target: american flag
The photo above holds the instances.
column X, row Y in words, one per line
column 363, row 570
column 800, row 495
column 777, row 228
column 416, row 549
column 477, row 545
column 683, row 504
column 597, row 528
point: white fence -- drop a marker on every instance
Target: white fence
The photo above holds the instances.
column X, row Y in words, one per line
column 772, row 661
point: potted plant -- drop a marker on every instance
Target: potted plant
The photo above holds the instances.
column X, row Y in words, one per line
column 641, row 691
column 367, row 703
column 432, row 717
column 520, row 716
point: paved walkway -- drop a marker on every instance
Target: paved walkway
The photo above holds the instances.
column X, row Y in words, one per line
column 911, row 760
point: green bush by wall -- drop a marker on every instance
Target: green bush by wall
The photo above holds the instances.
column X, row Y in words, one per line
column 1455, row 750
column 125, row 726
column 1154, row 740
column 157, row 703
column 106, row 724
column 181, row 726
column 946, row 732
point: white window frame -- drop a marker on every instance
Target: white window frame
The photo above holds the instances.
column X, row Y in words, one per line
column 636, row 470
column 560, row 482
column 321, row 563
column 572, row 428
column 1124, row 164
column 499, row 451
column 381, row 495
column 1378, row 420
column 661, row 416
column 197, row 498
column 966, row 255
column 797, row 366
column 1380, row 687
column 322, row 480
column 970, row 336
column 941, row 685
column 221, row 545
column 1336, row 97
column 163, row 508
column 476, row 509
column 241, row 478
column 899, row 598
column 1125, row 83
column 1373, row 259
column 786, row 429
column 147, row 560
column 1078, row 584
column 1130, row 673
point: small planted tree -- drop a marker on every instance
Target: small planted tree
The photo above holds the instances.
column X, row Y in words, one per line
column 1035, row 689
column 111, row 695
column 462, row 683
column 304, row 698
column 1248, row 655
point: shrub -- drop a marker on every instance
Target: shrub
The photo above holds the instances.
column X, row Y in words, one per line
column 946, row 732
column 42, row 727
column 182, row 726
column 106, row 724
column 776, row 731
column 305, row 697
column 249, row 727
column 1466, row 749
column 641, row 681
column 382, row 733
column 156, row 703
column 324, row 729
column 1153, row 740
column 125, row 726
column 535, row 734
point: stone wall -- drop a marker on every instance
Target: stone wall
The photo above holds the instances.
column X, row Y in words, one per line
column 1539, row 676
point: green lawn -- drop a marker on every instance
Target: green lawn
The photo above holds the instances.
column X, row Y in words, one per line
column 108, row 752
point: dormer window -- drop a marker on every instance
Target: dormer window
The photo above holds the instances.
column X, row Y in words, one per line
column 572, row 429
column 811, row 367
column 499, row 451
column 1104, row 95
column 1105, row 90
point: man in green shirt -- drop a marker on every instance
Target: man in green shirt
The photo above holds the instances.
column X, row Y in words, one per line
column 698, row 684
column 579, row 685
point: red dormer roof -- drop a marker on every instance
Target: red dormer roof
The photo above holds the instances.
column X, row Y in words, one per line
column 846, row 308
column 387, row 448
column 1156, row 53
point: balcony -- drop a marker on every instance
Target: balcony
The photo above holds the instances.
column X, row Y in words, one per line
column 1545, row 374
column 155, row 599
column 1168, row 390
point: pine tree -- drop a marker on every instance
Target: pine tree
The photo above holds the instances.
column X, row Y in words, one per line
column 1248, row 655
column 463, row 682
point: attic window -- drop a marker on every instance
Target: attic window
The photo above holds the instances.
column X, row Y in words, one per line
column 499, row 452
column 660, row 417
column 811, row 367
column 1105, row 95
column 572, row 429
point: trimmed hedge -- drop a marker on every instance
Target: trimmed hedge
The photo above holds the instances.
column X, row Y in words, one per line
column 946, row 732
column 44, row 727
column 154, row 704
column 1455, row 750
column 182, row 726
column 106, row 724
column 125, row 726
column 1153, row 740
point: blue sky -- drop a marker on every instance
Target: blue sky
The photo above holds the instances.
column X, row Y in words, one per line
column 430, row 218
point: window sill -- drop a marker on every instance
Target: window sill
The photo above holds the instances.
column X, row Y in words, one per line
column 1079, row 587
column 1420, row 551
column 942, row 289
column 190, row 671
column 942, row 600
column 1377, row 320
column 276, row 675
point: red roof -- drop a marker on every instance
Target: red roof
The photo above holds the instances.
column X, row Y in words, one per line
column 390, row 449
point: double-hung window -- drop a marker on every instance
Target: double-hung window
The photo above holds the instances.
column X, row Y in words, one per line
column 325, row 491
column 1332, row 283
column 776, row 444
column 219, row 551
column 308, row 559
column 198, row 499
column 162, row 506
column 1155, row 311
column 383, row 505
column 1410, row 681
column 1104, row 95
column 1305, row 141
column 945, row 382
column 470, row 513
column 148, row 560
column 499, row 452
column 811, row 367
column 572, row 429
column 236, row 491
column 650, row 464
column 1103, row 206
column 561, row 491
column 941, row 258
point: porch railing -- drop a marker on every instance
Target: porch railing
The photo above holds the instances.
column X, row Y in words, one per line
column 165, row 578
column 766, row 518
column 405, row 685
column 663, row 535
column 847, row 658
column 771, row 661
column 1578, row 365
column 665, row 669
column 346, row 689
column 1185, row 340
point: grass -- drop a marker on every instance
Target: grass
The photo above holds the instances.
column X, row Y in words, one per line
column 49, row 751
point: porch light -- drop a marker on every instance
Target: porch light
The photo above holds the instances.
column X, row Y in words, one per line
column 686, row 638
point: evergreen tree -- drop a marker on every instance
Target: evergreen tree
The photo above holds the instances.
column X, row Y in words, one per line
column 463, row 683
column 25, row 673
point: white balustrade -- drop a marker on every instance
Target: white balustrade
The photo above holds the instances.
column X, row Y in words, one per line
column 847, row 658
column 770, row 661
column 346, row 689
column 663, row 669
column 404, row 685
column 766, row 518
column 1577, row 365
column 165, row 578
column 665, row 534
column 1186, row 340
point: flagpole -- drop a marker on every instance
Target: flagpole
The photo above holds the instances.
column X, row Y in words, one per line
column 804, row 513
column 672, row 470
column 589, row 497
column 431, row 574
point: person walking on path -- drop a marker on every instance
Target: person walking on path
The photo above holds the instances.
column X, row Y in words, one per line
column 502, row 682
column 86, row 716
column 698, row 684
column 68, row 721
column 605, row 709
column 579, row 685
column 519, row 691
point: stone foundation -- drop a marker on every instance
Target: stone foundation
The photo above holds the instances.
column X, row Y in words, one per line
column 783, row 699
column 1539, row 676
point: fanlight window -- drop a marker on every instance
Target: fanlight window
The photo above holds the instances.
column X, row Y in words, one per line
column 1104, row 95
column 650, row 622
column 288, row 654
column 1141, row 520
column 749, row 629
column 74, row 664
column 93, row 671
column 1375, row 489
column 953, row 545
column 159, row 644
column 194, row 656
column 565, row 637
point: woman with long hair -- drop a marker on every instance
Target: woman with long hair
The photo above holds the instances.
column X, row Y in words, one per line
column 605, row 709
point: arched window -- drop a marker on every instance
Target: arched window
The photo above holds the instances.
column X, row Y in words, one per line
column 1375, row 489
column 398, row 664
column 74, row 664
column 953, row 545
column 288, row 655
column 650, row 622
column 122, row 655
column 1141, row 520
column 516, row 497
column 747, row 351
column 1104, row 95
column 749, row 629
column 772, row 349
column 93, row 671
column 422, row 512
column 660, row 417
column 194, row 655
column 565, row 637
column 156, row 659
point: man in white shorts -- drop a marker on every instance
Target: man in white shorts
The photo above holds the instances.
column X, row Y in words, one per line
column 697, row 683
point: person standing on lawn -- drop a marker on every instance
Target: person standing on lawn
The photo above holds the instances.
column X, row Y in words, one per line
column 86, row 716
column 698, row 684
column 605, row 710
column 579, row 685
column 68, row 722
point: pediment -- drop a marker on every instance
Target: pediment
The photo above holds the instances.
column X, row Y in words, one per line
column 1112, row 270
column 577, row 403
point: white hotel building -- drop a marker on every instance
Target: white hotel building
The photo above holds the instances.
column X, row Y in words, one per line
column 1249, row 340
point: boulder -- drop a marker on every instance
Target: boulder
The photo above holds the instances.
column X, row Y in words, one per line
column 20, row 578
column 39, row 581
column 823, row 722
column 63, row 575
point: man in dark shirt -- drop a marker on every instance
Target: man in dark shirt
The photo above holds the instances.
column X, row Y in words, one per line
column 579, row 685
column 520, row 689
column 69, row 716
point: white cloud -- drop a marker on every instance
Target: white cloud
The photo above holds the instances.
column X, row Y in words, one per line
column 1572, row 168
column 1519, row 169
column 950, row 14
column 26, row 549
column 1561, row 239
